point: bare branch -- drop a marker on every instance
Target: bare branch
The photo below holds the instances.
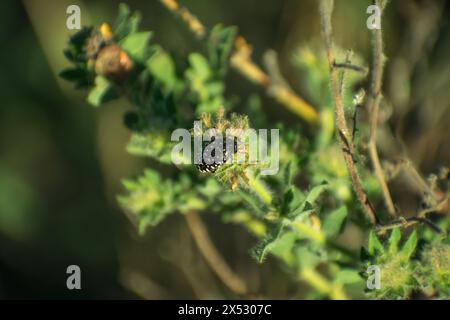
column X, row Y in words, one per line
column 373, row 105
column 212, row 256
column 421, row 217
column 352, row 67
column 242, row 62
column 326, row 8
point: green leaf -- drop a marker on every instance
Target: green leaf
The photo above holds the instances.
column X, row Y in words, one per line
column 200, row 66
column 150, row 198
column 136, row 45
column 212, row 189
column 126, row 23
column 307, row 258
column 316, row 192
column 409, row 246
column 220, row 44
column 293, row 198
column 73, row 74
column 260, row 251
column 253, row 201
column 162, row 67
column 333, row 222
column 154, row 144
column 122, row 17
column 393, row 241
column 74, row 54
column 347, row 276
column 310, row 199
column 103, row 92
column 79, row 38
column 364, row 255
column 374, row 244
column 210, row 106
column 287, row 173
column 207, row 91
column 215, row 88
column 282, row 247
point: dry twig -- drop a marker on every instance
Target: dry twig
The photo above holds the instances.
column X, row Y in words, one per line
column 212, row 256
column 241, row 61
column 326, row 8
column 373, row 105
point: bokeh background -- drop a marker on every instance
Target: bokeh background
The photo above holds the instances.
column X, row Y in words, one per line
column 62, row 161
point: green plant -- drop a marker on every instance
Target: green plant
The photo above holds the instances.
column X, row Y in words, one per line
column 300, row 226
column 405, row 271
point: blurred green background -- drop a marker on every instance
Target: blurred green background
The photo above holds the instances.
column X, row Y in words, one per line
column 62, row 162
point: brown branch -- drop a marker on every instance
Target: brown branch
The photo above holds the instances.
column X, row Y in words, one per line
column 188, row 18
column 241, row 61
column 420, row 182
column 407, row 222
column 373, row 105
column 326, row 8
column 354, row 122
column 421, row 217
column 348, row 59
column 212, row 256
column 350, row 66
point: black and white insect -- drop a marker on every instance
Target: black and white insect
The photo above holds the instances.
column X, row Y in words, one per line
column 213, row 164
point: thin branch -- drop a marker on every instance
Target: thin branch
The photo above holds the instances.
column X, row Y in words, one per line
column 420, row 182
column 421, row 217
column 326, row 8
column 352, row 67
column 348, row 59
column 357, row 101
column 212, row 256
column 140, row 285
column 354, row 121
column 270, row 62
column 322, row 285
column 242, row 62
column 439, row 207
column 258, row 187
column 406, row 166
column 194, row 25
column 373, row 105
column 407, row 222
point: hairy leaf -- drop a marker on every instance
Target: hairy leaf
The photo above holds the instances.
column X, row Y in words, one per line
column 393, row 241
column 162, row 67
column 260, row 251
column 374, row 244
column 136, row 45
column 334, row 221
column 220, row 44
column 409, row 246
column 103, row 92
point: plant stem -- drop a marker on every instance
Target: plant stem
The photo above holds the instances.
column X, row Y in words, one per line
column 341, row 78
column 326, row 8
column 373, row 105
column 212, row 255
column 194, row 25
column 407, row 222
column 259, row 188
column 318, row 282
column 349, row 66
column 241, row 61
column 417, row 178
column 421, row 217
column 309, row 232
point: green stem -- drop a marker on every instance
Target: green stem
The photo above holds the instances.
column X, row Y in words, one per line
column 259, row 188
column 318, row 282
